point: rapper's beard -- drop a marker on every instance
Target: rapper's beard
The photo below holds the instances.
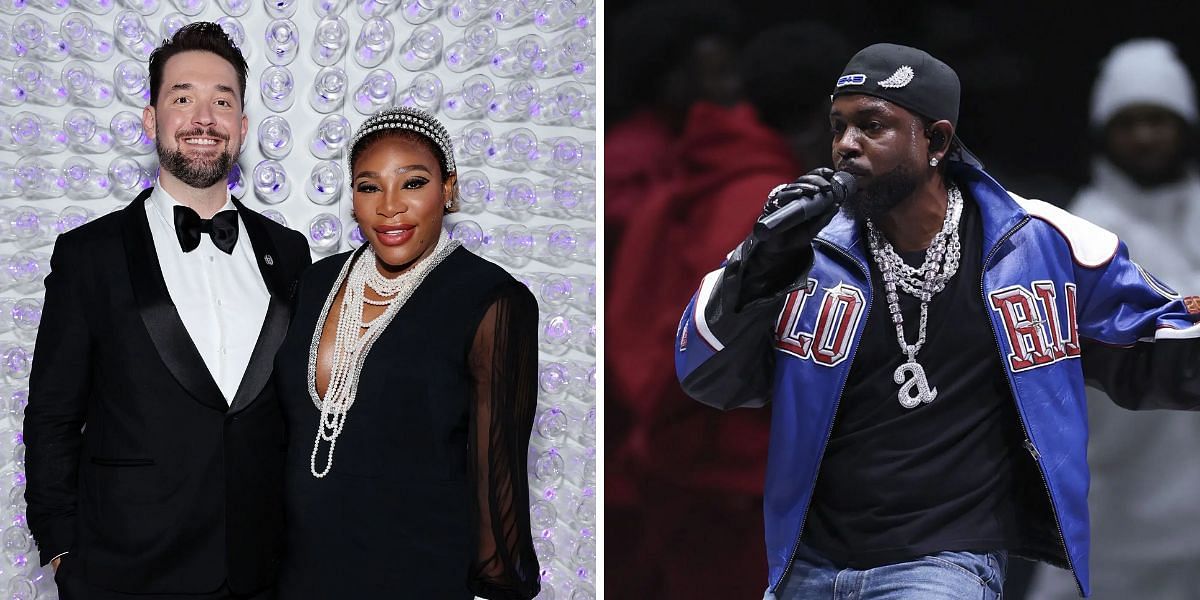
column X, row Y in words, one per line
column 193, row 172
column 882, row 194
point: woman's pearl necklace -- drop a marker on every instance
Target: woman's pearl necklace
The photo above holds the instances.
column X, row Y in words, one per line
column 351, row 344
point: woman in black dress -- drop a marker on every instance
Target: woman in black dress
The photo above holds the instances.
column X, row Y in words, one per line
column 408, row 381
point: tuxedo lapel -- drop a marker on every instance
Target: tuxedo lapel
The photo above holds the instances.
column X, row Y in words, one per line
column 166, row 329
column 264, row 252
column 258, row 370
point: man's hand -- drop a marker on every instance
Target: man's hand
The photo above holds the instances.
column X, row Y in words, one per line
column 808, row 185
column 773, row 258
column 55, row 562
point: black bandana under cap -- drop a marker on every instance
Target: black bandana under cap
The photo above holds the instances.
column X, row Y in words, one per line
column 910, row 78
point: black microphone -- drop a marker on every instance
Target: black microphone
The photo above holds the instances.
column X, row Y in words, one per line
column 800, row 210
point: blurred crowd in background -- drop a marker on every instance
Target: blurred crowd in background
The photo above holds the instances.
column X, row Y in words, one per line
column 710, row 105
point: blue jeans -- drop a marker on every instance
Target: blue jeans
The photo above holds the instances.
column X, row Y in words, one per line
column 941, row 576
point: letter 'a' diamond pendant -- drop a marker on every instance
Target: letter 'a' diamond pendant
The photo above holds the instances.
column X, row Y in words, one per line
column 915, row 391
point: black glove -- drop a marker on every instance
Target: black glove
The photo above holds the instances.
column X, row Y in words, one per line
column 806, row 186
column 771, row 259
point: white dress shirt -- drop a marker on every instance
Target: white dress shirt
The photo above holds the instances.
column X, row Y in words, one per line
column 221, row 298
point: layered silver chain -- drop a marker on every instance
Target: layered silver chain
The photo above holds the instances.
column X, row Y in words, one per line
column 941, row 262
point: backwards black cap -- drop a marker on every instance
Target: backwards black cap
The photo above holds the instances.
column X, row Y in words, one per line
column 911, row 78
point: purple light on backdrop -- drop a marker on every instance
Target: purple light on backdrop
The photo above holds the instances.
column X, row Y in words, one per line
column 325, row 183
column 556, row 330
column 233, row 28
column 236, row 182
column 417, row 12
column 425, row 92
column 374, row 43
column 234, row 8
column 128, row 177
column 326, row 8
column 280, row 9
column 520, row 199
column 172, row 23
column 330, row 137
column 552, row 424
column 70, row 218
column 275, row 137
column 277, row 86
column 330, row 40
column 469, row 233
column 143, row 7
column 378, row 90
column 190, row 8
column 276, row 216
column 421, row 49
column 17, row 361
column 283, row 41
column 324, row 233
column 132, row 82
column 129, row 134
column 271, row 184
column 11, row 93
column 23, row 267
column 27, row 223
column 27, row 313
column 328, row 92
column 542, row 514
column 473, row 189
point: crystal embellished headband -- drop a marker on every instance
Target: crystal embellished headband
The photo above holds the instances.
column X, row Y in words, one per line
column 407, row 119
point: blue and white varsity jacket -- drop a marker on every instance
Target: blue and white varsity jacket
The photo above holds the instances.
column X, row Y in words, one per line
column 1066, row 304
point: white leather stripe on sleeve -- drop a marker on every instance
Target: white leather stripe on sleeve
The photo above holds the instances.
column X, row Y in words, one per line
column 706, row 290
column 1169, row 333
column 1159, row 287
column 1091, row 245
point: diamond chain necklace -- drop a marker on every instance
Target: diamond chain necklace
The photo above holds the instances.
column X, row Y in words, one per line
column 941, row 262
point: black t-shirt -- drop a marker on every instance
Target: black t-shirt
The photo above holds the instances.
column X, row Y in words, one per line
column 898, row 483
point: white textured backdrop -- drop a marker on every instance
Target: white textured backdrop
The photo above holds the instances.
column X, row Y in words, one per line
column 517, row 90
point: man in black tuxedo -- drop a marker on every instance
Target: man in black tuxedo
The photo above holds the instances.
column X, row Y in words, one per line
column 154, row 438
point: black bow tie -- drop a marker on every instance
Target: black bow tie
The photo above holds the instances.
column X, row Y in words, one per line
column 222, row 229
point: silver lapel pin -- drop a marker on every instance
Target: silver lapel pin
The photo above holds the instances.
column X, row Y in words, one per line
column 267, row 259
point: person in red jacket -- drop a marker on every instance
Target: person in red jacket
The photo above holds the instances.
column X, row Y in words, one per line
column 682, row 479
column 664, row 71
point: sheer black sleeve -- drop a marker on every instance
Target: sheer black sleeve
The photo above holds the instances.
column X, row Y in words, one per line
column 503, row 363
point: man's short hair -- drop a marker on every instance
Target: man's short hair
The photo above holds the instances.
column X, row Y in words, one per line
column 204, row 36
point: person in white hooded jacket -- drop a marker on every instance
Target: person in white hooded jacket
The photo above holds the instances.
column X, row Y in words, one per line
column 1145, row 512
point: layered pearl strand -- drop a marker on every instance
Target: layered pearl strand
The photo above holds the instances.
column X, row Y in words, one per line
column 941, row 263
column 351, row 345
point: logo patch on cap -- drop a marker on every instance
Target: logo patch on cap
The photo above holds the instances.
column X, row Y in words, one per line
column 902, row 77
column 854, row 79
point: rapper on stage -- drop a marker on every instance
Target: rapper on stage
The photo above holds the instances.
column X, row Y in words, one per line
column 924, row 350
column 409, row 382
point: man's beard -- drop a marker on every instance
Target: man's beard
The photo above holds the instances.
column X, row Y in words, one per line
column 882, row 194
column 196, row 173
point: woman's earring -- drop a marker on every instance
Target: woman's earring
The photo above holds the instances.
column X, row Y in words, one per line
column 933, row 161
column 448, row 204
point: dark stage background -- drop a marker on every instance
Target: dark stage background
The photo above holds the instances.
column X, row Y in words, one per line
column 1027, row 71
column 1026, row 67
